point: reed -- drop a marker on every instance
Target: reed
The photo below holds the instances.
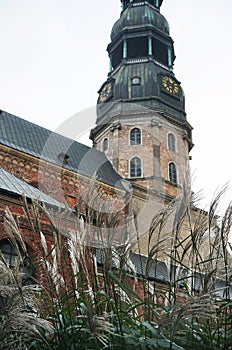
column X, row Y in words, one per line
column 92, row 297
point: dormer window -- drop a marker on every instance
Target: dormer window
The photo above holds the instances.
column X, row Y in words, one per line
column 63, row 158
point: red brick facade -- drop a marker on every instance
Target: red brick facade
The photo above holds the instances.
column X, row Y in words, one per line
column 66, row 186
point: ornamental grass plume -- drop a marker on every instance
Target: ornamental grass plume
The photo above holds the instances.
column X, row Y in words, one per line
column 93, row 297
column 20, row 320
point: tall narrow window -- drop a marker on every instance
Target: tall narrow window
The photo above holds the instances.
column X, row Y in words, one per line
column 105, row 145
column 135, row 136
column 135, row 167
column 172, row 173
column 160, row 51
column 171, row 142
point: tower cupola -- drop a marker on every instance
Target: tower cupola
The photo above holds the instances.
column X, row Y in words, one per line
column 143, row 17
column 142, row 56
column 141, row 31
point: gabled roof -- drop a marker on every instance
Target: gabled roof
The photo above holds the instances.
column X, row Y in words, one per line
column 44, row 144
column 10, row 184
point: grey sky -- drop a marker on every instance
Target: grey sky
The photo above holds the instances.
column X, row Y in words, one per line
column 53, row 61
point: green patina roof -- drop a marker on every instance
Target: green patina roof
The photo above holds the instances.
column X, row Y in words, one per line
column 152, row 95
column 140, row 17
column 142, row 48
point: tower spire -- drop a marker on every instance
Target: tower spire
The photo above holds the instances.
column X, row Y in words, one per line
column 156, row 3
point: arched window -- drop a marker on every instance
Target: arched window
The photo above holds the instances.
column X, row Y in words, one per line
column 105, row 145
column 135, row 167
column 171, row 142
column 135, row 136
column 172, row 173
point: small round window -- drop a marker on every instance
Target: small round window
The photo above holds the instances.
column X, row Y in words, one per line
column 136, row 81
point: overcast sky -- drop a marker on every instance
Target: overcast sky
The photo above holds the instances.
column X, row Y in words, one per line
column 53, row 61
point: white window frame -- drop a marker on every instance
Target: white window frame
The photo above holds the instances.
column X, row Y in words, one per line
column 175, row 141
column 141, row 136
column 136, row 177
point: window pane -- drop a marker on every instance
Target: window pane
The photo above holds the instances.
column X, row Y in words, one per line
column 135, row 136
column 135, row 167
column 171, row 142
column 105, row 145
column 9, row 253
column 172, row 173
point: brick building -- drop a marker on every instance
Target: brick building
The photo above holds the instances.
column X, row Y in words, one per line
column 141, row 143
column 48, row 167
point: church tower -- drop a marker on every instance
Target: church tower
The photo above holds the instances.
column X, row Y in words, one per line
column 141, row 120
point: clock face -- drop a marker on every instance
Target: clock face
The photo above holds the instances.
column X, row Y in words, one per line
column 170, row 85
column 105, row 92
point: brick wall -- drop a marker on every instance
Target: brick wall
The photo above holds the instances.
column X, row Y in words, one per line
column 155, row 163
column 62, row 184
column 30, row 237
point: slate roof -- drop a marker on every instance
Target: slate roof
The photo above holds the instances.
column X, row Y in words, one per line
column 159, row 271
column 12, row 185
column 37, row 141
